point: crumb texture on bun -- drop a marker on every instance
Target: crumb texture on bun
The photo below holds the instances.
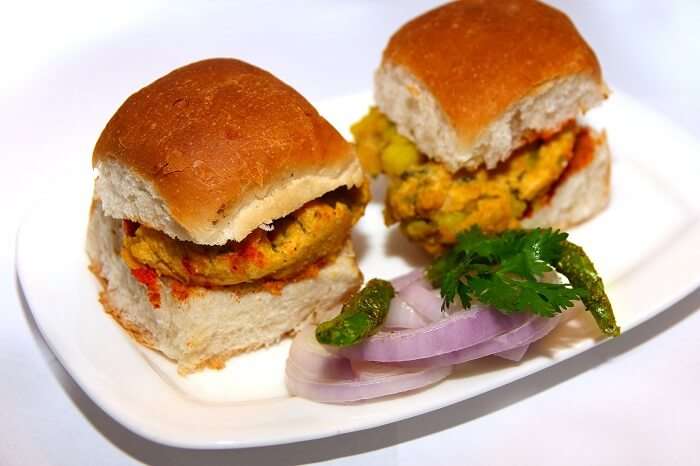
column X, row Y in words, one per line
column 470, row 81
column 214, row 149
column 209, row 325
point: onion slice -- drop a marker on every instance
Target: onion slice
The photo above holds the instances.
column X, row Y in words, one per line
column 402, row 281
column 401, row 315
column 369, row 383
column 531, row 330
column 315, row 360
column 425, row 300
column 515, row 354
column 417, row 346
column 318, row 374
column 457, row 331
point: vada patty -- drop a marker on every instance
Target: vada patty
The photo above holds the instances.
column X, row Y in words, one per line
column 317, row 230
column 433, row 205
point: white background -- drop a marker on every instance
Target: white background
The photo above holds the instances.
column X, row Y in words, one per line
column 66, row 66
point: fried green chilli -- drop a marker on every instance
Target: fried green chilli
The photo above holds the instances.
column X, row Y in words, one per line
column 360, row 317
column 575, row 264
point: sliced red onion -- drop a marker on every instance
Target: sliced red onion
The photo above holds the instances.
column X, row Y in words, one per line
column 515, row 354
column 369, row 383
column 424, row 299
column 316, row 360
column 455, row 332
column 529, row 331
column 402, row 281
column 315, row 373
column 421, row 354
column 401, row 315
column 368, row 370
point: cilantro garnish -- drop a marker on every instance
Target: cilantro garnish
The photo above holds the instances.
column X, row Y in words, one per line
column 503, row 271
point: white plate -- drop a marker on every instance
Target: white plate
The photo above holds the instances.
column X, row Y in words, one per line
column 645, row 245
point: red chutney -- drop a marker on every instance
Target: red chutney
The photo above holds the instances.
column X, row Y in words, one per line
column 187, row 264
column 179, row 290
column 149, row 277
column 251, row 253
column 543, row 136
column 129, row 228
column 274, row 287
column 248, row 253
column 312, row 270
column 584, row 150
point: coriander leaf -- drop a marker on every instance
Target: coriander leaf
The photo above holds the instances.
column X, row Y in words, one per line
column 493, row 290
column 547, row 299
column 503, row 271
column 488, row 248
column 511, row 295
column 451, row 283
column 463, row 291
column 525, row 264
column 545, row 244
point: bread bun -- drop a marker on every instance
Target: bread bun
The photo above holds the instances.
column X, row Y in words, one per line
column 214, row 149
column 209, row 326
column 470, row 81
column 580, row 196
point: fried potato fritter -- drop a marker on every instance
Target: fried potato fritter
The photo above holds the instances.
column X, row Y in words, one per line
column 433, row 205
column 315, row 231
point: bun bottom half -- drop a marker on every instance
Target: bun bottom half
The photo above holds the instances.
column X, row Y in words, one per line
column 208, row 326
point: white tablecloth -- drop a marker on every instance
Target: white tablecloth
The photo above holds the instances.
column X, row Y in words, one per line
column 66, row 66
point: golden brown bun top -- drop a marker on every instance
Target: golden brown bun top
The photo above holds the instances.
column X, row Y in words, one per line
column 477, row 57
column 214, row 135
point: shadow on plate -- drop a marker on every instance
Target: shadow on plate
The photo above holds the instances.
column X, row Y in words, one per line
column 354, row 443
column 378, row 188
column 398, row 245
column 360, row 243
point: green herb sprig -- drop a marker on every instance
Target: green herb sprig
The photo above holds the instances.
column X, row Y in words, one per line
column 503, row 271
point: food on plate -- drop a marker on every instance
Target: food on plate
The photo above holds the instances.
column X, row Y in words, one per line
column 222, row 213
column 575, row 264
column 315, row 373
column 309, row 234
column 504, row 271
column 489, row 295
column 360, row 317
column 477, row 122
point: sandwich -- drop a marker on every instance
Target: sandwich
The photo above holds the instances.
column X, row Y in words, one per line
column 478, row 121
column 222, row 213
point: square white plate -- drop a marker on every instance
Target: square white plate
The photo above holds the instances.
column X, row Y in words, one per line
column 646, row 245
